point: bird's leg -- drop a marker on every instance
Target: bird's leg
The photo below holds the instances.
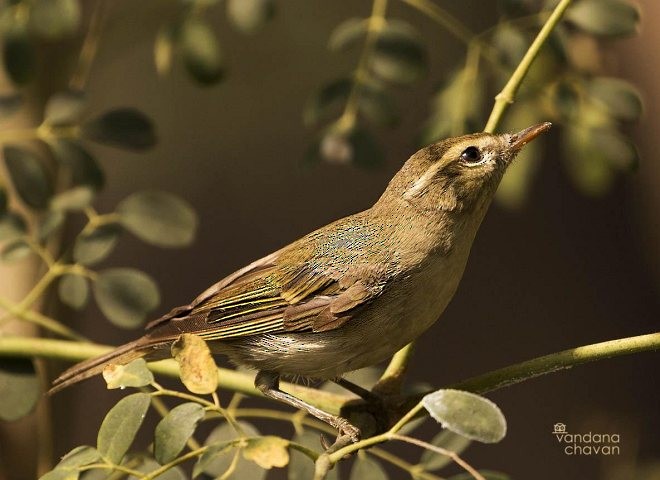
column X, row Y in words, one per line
column 269, row 384
column 361, row 392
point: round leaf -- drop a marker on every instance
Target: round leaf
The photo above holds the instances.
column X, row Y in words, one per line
column 216, row 461
column 76, row 198
column 79, row 456
column 54, row 18
column 49, row 224
column 367, row 468
column 611, row 18
column 356, row 147
column 15, row 251
column 329, row 96
column 92, row 247
column 84, row 168
column 12, row 226
column 125, row 296
column 618, row 97
column 467, row 414
column 124, row 128
column 174, row 430
column 348, row 33
column 120, row 426
column 60, row 474
column 73, row 290
column 267, row 452
column 29, row 177
column 64, row 108
column 201, row 51
column 134, row 374
column 398, row 55
column 198, row 370
column 159, row 218
column 18, row 55
column 249, row 16
column 19, row 388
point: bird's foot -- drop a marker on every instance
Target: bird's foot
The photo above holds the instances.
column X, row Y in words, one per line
column 347, row 434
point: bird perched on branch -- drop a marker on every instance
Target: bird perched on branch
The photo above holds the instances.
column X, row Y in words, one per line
column 352, row 293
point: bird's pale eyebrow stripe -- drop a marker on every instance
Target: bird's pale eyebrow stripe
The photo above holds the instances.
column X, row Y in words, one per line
column 424, row 181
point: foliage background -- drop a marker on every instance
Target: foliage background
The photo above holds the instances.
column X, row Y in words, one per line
column 561, row 271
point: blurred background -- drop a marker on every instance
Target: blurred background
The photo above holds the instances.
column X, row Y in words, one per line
column 561, row 269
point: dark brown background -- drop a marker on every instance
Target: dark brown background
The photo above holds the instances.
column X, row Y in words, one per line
column 563, row 271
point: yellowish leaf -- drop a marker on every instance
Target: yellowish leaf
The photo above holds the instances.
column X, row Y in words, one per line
column 199, row 372
column 267, row 452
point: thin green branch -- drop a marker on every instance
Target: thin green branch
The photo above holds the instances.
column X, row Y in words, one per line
column 508, row 93
column 393, row 376
column 232, row 380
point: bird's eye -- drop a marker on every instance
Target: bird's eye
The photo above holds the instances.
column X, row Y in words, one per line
column 471, row 155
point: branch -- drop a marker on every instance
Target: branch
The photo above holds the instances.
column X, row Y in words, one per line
column 229, row 379
column 508, row 93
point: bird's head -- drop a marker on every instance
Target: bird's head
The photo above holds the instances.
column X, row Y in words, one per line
column 460, row 173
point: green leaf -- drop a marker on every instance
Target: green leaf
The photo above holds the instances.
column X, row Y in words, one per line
column 217, row 459
column 29, row 177
column 135, row 374
column 249, row 16
column 92, row 247
column 120, row 426
column 377, row 106
column 198, row 370
column 19, row 388
column 54, row 18
column 609, row 18
column 467, row 414
column 76, row 198
column 148, row 465
column 73, row 290
column 327, row 97
column 201, row 51
column 621, row 99
column 367, row 468
column 79, row 456
column 158, row 218
column 124, row 128
column 174, row 430
column 301, row 467
column 9, row 104
column 12, row 226
column 348, row 33
column 125, row 296
column 64, row 108
column 449, row 441
column 267, row 452
column 356, row 147
column 18, row 55
column 398, row 55
column 15, row 251
column 49, row 224
column 487, row 474
column 60, row 474
column 84, row 168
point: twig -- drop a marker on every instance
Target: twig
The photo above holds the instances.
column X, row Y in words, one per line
column 89, row 47
column 508, row 93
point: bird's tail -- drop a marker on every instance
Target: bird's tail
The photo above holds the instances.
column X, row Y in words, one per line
column 121, row 355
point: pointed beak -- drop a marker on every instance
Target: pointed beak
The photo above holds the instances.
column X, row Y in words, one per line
column 522, row 138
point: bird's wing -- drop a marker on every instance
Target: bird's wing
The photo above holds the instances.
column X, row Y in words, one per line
column 273, row 295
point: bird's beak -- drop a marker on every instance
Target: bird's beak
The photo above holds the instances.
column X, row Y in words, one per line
column 522, row 138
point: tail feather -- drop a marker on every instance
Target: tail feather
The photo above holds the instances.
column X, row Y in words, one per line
column 121, row 355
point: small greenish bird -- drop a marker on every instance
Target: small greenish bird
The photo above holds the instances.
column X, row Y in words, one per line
column 352, row 293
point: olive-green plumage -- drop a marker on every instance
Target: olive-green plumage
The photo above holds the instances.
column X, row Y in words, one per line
column 352, row 293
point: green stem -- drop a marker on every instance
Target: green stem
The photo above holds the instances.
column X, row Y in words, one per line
column 375, row 24
column 508, row 93
column 392, row 378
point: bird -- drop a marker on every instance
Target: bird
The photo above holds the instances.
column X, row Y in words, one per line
column 352, row 293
